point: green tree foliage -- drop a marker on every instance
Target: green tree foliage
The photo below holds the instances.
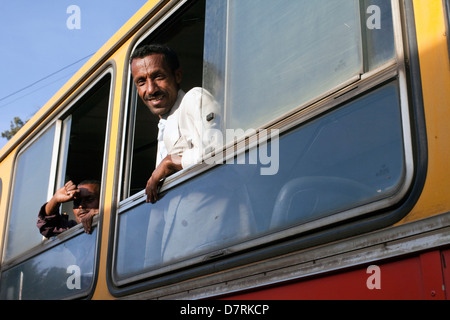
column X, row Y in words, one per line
column 15, row 126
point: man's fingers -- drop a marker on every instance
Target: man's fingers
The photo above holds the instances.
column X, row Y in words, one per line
column 151, row 191
column 87, row 222
column 71, row 190
column 69, row 186
column 154, row 197
column 151, row 195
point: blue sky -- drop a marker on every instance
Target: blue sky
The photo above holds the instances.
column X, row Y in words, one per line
column 36, row 42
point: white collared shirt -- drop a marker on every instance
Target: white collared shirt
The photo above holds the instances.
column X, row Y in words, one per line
column 168, row 130
column 199, row 122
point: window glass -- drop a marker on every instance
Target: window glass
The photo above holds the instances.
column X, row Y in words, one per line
column 63, row 271
column 447, row 11
column 303, row 58
column 317, row 174
column 309, row 48
column 80, row 150
column 31, row 187
column 378, row 32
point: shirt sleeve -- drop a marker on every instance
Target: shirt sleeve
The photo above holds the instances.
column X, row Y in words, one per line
column 199, row 125
column 53, row 225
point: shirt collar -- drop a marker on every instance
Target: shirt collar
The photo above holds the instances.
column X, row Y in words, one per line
column 175, row 106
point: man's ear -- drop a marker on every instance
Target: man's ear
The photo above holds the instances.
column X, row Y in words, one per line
column 178, row 75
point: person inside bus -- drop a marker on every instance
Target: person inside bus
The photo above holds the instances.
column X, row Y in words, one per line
column 184, row 117
column 85, row 199
column 223, row 210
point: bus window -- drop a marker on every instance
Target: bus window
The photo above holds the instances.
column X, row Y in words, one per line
column 71, row 148
column 65, row 271
column 317, row 179
column 378, row 35
column 321, row 73
column 83, row 139
column 87, row 134
column 184, row 34
column 31, row 190
column 309, row 48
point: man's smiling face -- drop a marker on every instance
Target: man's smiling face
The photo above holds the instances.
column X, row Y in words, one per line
column 156, row 83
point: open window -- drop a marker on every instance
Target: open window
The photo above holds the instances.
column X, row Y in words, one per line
column 70, row 146
column 83, row 138
column 184, row 33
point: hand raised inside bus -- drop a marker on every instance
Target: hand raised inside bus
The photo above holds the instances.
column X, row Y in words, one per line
column 62, row 195
column 85, row 199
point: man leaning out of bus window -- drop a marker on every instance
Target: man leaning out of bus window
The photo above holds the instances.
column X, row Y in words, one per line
column 192, row 127
column 183, row 116
column 85, row 199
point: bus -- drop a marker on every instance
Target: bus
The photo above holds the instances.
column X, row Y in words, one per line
column 332, row 182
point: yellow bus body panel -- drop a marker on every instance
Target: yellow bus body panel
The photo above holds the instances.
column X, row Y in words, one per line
column 435, row 72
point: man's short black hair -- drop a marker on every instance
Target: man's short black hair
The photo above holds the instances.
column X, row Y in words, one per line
column 170, row 56
column 89, row 181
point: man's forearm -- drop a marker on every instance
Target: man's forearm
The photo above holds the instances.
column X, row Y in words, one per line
column 171, row 164
column 168, row 166
column 51, row 207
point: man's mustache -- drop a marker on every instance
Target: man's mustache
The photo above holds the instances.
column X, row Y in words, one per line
column 154, row 96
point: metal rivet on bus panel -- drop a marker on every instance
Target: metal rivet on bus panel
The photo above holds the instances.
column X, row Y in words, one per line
column 433, row 293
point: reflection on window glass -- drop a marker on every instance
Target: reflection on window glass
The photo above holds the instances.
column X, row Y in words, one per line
column 447, row 11
column 324, row 176
column 378, row 31
column 264, row 58
column 319, row 175
column 30, row 192
column 61, row 272
column 281, row 54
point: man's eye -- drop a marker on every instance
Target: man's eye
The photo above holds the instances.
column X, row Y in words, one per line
column 139, row 81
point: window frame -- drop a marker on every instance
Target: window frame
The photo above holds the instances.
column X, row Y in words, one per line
column 60, row 151
column 343, row 93
column 170, row 10
column 1, row 190
column 446, row 9
column 282, row 122
column 229, row 109
column 31, row 141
